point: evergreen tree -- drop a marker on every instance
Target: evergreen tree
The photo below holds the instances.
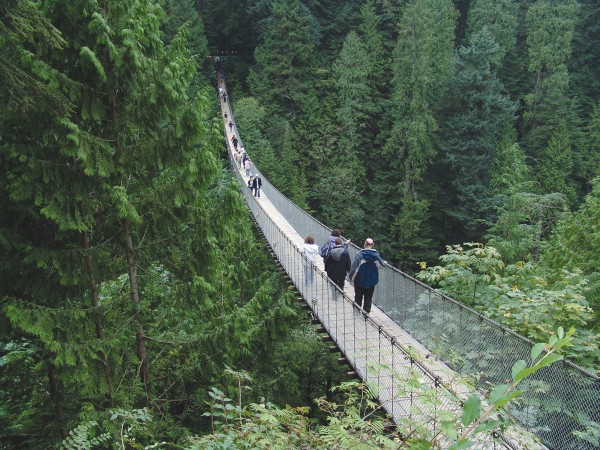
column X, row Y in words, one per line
column 555, row 165
column 589, row 162
column 356, row 107
column 121, row 163
column 341, row 180
column 574, row 246
column 375, row 46
column 500, row 18
column 550, row 31
column 181, row 12
column 483, row 115
column 584, row 65
column 421, row 71
column 524, row 217
column 281, row 81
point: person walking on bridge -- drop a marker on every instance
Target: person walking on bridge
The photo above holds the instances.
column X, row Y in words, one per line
column 310, row 251
column 256, row 185
column 327, row 246
column 365, row 275
column 247, row 166
column 237, row 157
column 337, row 264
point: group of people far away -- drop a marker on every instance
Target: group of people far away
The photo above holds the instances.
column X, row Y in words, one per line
column 363, row 273
column 240, row 156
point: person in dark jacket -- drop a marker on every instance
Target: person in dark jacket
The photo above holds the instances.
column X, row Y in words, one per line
column 365, row 275
column 256, row 185
column 337, row 264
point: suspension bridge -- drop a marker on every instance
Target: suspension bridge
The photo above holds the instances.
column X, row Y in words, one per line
column 416, row 340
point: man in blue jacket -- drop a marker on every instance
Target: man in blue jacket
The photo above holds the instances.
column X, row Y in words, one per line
column 365, row 275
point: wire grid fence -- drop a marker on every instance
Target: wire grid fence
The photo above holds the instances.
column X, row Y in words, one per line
column 560, row 403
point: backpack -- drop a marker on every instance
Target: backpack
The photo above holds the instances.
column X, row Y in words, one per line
column 326, row 249
column 366, row 274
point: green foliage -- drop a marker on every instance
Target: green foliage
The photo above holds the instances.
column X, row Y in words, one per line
column 550, row 28
column 574, row 244
column 477, row 419
column 500, row 18
column 422, row 64
column 282, row 82
column 82, row 437
column 521, row 296
column 483, row 117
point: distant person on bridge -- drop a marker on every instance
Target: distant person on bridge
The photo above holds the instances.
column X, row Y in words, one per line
column 235, row 141
column 248, row 166
column 310, row 251
column 250, row 180
column 256, row 185
column 337, row 264
column 238, row 159
column 365, row 275
column 230, row 126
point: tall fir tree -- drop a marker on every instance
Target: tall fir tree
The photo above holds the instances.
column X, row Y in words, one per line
column 281, row 81
column 421, row 73
column 341, row 180
column 95, row 180
column 500, row 18
column 482, row 117
column 550, row 27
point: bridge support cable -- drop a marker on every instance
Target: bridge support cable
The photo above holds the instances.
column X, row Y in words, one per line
column 411, row 317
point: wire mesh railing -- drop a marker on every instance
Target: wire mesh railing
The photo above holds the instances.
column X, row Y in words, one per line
column 560, row 403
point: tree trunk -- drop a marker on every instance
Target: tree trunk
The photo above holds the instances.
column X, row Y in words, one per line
column 56, row 401
column 97, row 318
column 135, row 298
column 200, row 5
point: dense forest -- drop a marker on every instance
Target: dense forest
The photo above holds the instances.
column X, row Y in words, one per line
column 133, row 286
column 463, row 129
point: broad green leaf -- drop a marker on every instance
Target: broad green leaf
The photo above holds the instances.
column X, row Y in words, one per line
column 497, row 393
column 536, row 350
column 507, row 398
column 518, row 367
column 487, row 425
column 471, row 410
column 546, row 360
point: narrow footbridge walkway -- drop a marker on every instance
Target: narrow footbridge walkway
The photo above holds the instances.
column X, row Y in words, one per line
column 416, row 339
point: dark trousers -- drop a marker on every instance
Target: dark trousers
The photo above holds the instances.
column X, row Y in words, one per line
column 340, row 283
column 361, row 293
